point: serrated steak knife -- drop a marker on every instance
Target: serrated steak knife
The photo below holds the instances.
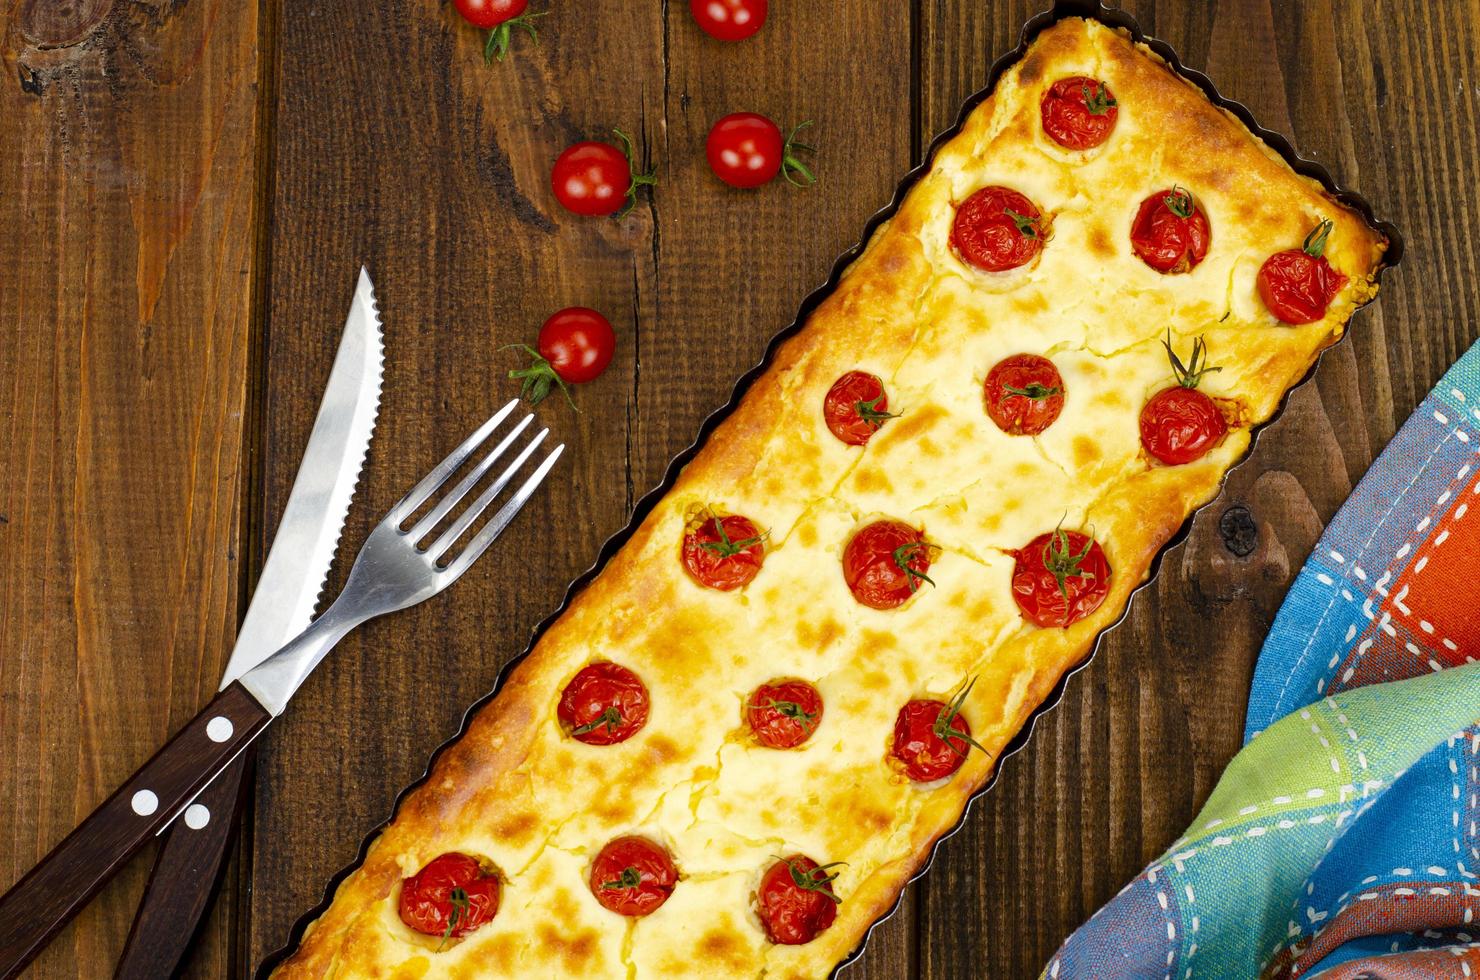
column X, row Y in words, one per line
column 193, row 848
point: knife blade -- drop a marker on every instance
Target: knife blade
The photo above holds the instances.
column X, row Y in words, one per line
column 193, row 850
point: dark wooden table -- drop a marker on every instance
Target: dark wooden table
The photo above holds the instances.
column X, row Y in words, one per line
column 187, row 190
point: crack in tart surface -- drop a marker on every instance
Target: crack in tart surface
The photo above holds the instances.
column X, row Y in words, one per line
column 739, row 742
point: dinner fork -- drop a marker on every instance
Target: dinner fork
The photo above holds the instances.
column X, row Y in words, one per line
column 396, row 568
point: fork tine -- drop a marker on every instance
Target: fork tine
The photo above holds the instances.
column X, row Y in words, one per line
column 457, row 493
column 455, row 530
column 495, row 527
column 418, row 494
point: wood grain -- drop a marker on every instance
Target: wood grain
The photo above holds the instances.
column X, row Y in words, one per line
column 151, row 437
column 128, row 185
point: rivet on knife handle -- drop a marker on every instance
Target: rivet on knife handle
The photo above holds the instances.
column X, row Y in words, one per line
column 42, row 902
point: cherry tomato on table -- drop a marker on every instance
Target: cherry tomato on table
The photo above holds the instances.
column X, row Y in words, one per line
column 855, row 407
column 729, row 20
column 745, row 149
column 633, row 876
column 996, row 229
column 795, row 900
column 598, row 179
column 723, row 553
column 885, row 562
column 1171, row 232
column 783, row 714
column 1024, row 394
column 574, row 346
column 450, row 897
column 1180, row 424
column 1299, row 284
column 931, row 738
column 1060, row 577
column 499, row 18
column 1079, row 112
column 605, row 703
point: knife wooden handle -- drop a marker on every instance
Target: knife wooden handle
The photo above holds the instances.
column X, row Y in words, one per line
column 187, row 871
column 36, row 907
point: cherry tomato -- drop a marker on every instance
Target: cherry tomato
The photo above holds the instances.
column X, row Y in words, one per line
column 795, row 900
column 855, row 407
column 1180, row 424
column 723, row 553
column 729, row 20
column 450, row 897
column 488, row 14
column 597, row 179
column 1024, row 394
column 632, row 876
column 578, row 342
column 784, row 714
column 926, row 740
column 603, row 704
column 1078, row 112
column 575, row 346
column 1299, row 284
column 885, row 562
column 1171, row 232
column 996, row 229
column 1060, row 578
column 745, row 149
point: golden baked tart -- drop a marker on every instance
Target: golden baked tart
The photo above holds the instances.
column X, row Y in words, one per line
column 739, row 742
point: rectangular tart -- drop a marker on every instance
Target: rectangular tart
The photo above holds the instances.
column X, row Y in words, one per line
column 1012, row 550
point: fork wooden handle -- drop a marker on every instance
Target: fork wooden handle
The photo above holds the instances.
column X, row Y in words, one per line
column 36, row 907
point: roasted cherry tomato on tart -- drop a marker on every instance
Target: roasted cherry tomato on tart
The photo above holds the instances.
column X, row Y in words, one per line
column 795, row 900
column 1078, row 113
column 450, row 897
column 1298, row 284
column 885, row 562
column 997, row 229
column 603, row 704
column 1024, row 394
column 632, row 876
column 1059, row 578
column 574, row 346
column 729, row 20
column 745, row 149
column 783, row 714
column 723, row 553
column 931, row 738
column 1171, row 232
column 597, row 179
column 855, row 407
column 1180, row 424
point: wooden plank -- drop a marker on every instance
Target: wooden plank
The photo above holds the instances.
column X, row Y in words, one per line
column 415, row 158
column 1116, row 773
column 129, row 202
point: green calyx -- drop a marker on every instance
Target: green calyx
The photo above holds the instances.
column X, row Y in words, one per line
column 724, row 547
column 1097, row 98
column 1179, row 201
column 794, row 711
column 1062, row 563
column 460, row 905
column 1035, row 391
column 869, row 411
column 902, row 557
column 537, row 379
column 1189, row 375
column 648, row 179
column 942, row 727
column 611, row 718
column 1026, row 226
column 797, row 173
column 500, row 37
column 1315, row 242
column 818, row 879
column 629, row 878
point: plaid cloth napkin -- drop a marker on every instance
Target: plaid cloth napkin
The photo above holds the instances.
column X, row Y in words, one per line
column 1342, row 841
